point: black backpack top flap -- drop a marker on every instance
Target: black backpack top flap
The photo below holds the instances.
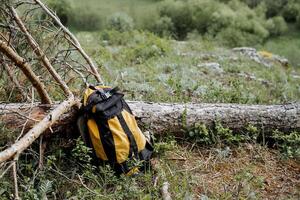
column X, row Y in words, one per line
column 110, row 102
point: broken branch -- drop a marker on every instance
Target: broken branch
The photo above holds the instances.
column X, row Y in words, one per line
column 37, row 130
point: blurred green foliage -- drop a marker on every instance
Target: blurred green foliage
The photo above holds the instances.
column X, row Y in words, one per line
column 233, row 22
column 229, row 22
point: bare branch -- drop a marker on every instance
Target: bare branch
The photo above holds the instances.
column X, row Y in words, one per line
column 15, row 178
column 14, row 80
column 37, row 130
column 40, row 54
column 27, row 70
column 74, row 42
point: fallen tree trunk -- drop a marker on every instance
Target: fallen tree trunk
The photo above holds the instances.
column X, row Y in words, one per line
column 174, row 117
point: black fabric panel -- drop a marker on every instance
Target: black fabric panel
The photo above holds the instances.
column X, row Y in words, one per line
column 131, row 139
column 107, row 103
column 112, row 111
column 107, row 140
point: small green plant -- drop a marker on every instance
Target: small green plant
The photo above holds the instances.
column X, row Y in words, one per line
column 160, row 148
column 252, row 133
column 288, row 143
column 81, row 152
column 200, row 134
column 248, row 183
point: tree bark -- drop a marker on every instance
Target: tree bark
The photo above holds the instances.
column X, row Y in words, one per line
column 176, row 118
column 27, row 70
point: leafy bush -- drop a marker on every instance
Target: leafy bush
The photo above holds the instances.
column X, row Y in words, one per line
column 85, row 19
column 288, row 143
column 274, row 7
column 120, row 22
column 291, row 11
column 233, row 23
column 113, row 37
column 298, row 21
column 180, row 14
column 146, row 46
column 62, row 9
column 277, row 26
column 163, row 26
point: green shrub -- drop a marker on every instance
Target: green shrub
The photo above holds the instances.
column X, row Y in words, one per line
column 288, row 143
column 146, row 46
column 274, row 8
column 86, row 19
column 163, row 26
column 180, row 14
column 298, row 21
column 233, row 37
column 277, row 26
column 114, row 37
column 62, row 9
column 232, row 22
column 120, row 22
column 291, row 11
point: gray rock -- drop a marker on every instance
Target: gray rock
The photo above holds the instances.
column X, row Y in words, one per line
column 259, row 58
column 216, row 67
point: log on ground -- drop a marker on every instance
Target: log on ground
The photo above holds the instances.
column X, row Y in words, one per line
column 174, row 117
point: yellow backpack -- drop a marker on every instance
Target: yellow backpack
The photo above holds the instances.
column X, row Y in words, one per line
column 112, row 131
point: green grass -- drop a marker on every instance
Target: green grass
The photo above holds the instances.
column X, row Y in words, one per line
column 287, row 45
column 150, row 68
column 215, row 164
column 219, row 172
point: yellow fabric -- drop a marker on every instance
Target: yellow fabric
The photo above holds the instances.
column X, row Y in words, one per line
column 121, row 141
column 135, row 130
column 95, row 138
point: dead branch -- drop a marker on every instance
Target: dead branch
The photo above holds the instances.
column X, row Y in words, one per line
column 75, row 42
column 14, row 80
column 27, row 70
column 37, row 130
column 15, row 178
column 40, row 54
